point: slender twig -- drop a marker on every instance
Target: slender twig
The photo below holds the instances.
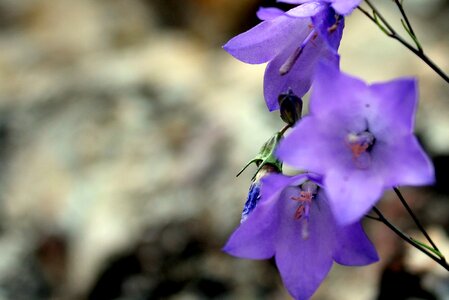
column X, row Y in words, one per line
column 415, row 219
column 404, row 15
column 372, row 218
column 394, row 35
column 409, row 239
column 367, row 14
column 409, row 25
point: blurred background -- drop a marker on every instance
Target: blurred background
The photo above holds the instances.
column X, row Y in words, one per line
column 123, row 124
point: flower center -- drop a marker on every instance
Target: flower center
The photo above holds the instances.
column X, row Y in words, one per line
column 307, row 193
column 360, row 145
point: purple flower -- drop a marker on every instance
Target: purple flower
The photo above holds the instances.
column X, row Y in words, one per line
column 292, row 42
column 293, row 222
column 342, row 7
column 360, row 138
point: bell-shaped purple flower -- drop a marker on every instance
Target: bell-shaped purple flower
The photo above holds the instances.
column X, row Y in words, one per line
column 292, row 42
column 293, row 222
column 342, row 7
column 360, row 138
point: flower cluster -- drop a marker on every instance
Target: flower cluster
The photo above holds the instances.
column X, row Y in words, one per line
column 356, row 142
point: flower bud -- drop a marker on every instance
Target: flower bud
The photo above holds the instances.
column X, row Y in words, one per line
column 290, row 107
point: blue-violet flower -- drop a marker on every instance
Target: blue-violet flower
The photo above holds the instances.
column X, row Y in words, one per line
column 292, row 42
column 293, row 222
column 360, row 138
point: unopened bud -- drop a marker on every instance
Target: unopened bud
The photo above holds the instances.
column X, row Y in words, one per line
column 290, row 107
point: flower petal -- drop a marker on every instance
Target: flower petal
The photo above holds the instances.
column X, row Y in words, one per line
column 353, row 246
column 299, row 78
column 308, row 9
column 336, row 93
column 312, row 146
column 394, row 107
column 352, row 193
column 329, row 26
column 345, row 7
column 255, row 238
column 304, row 263
column 273, row 184
column 403, row 162
column 266, row 40
column 269, row 13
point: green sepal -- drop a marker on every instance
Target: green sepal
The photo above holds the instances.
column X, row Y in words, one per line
column 266, row 155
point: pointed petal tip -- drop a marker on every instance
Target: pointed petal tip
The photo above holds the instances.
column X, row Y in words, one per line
column 226, row 249
column 268, row 13
column 226, row 47
column 366, row 256
column 345, row 7
column 374, row 257
column 244, row 254
column 237, row 49
column 233, row 250
column 429, row 178
column 352, row 195
column 271, row 107
column 229, row 48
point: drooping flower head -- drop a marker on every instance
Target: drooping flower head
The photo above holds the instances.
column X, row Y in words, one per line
column 360, row 138
column 292, row 42
column 293, row 222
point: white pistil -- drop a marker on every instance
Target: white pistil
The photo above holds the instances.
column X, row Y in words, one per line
column 291, row 60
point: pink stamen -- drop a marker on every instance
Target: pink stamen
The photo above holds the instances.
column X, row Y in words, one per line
column 299, row 212
column 359, row 143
